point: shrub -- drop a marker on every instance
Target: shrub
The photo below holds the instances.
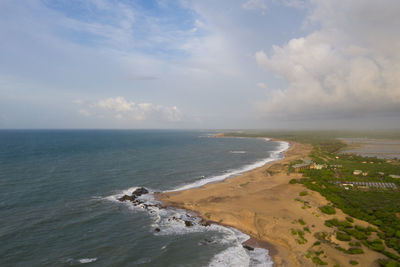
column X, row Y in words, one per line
column 320, row 235
column 316, row 243
column 332, row 222
column 302, row 222
column 355, row 251
column 328, row 209
column 349, row 219
column 355, row 244
column 316, row 260
column 303, row 193
column 391, row 255
column 293, row 181
column 353, row 262
column 343, row 236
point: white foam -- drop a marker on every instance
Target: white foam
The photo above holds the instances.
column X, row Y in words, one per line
column 260, row 258
column 275, row 155
column 121, row 193
column 87, row 260
column 171, row 221
column 238, row 152
column 232, row 256
column 236, row 255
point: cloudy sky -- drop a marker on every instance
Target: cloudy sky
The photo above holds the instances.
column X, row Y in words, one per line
column 199, row 64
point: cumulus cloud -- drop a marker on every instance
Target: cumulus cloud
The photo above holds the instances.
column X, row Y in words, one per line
column 349, row 66
column 120, row 108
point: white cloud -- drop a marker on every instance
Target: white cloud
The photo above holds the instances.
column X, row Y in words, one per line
column 350, row 66
column 120, row 108
column 262, row 85
column 117, row 104
column 254, row 4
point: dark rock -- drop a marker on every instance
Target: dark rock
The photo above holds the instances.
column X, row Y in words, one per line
column 126, row 197
column 248, row 247
column 157, row 230
column 205, row 223
column 188, row 223
column 140, row 191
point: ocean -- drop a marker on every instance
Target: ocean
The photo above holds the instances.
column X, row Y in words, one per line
column 59, row 191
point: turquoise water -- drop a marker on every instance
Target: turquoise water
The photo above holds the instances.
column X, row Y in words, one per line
column 58, row 191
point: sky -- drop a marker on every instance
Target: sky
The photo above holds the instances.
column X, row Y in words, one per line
column 200, row 64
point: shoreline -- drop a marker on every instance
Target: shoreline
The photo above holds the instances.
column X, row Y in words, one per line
column 262, row 204
column 253, row 241
column 237, row 172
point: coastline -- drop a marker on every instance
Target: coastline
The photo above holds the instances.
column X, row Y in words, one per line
column 275, row 250
column 262, row 204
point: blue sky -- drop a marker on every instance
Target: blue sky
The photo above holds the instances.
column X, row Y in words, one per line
column 198, row 64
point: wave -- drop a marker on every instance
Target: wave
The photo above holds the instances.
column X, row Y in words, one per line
column 87, row 260
column 171, row 221
column 275, row 155
column 238, row 152
column 236, row 255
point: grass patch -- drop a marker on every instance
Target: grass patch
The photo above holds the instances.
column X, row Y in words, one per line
column 327, row 209
column 343, row 236
column 316, row 243
column 316, row 260
column 303, row 193
column 302, row 222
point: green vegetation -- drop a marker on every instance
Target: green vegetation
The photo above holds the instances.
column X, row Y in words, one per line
column 337, row 223
column 316, row 260
column 343, row 236
column 376, row 245
column 302, row 222
column 353, row 262
column 355, row 244
column 378, row 206
column 303, row 193
column 388, row 263
column 350, row 250
column 328, row 209
column 301, row 239
column 316, row 243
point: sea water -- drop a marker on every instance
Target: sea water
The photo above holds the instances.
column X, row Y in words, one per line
column 59, row 190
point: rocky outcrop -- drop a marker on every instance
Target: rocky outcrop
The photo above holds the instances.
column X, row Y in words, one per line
column 140, row 191
column 135, row 194
column 248, row 247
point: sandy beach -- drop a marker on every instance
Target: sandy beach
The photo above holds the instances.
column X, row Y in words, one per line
column 262, row 204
